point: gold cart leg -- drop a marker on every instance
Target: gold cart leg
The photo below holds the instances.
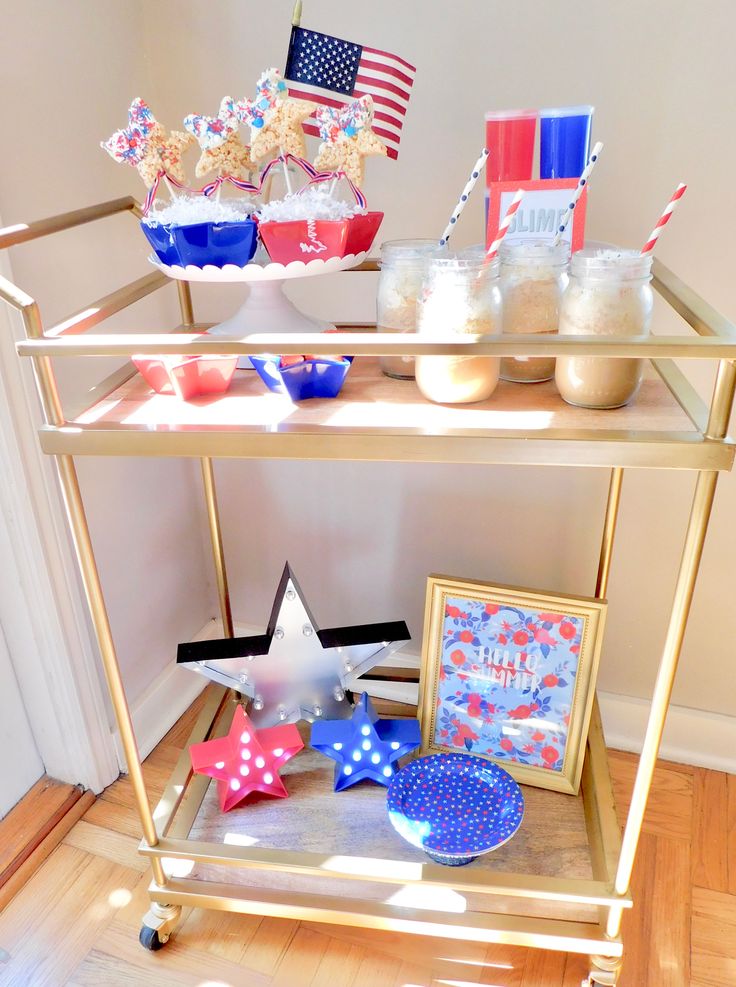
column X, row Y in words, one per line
column 91, row 580
column 185, row 302
column 705, row 488
column 213, row 516
column 609, row 531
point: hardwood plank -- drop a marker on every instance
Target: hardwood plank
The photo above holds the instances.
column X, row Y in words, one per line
column 669, row 812
column 181, row 965
column 339, row 965
column 411, row 975
column 444, row 957
column 225, row 935
column 108, row 844
column 114, row 817
column 376, row 968
column 31, row 864
column 710, row 830
column 300, row 962
column 58, row 917
column 713, row 938
column 504, row 966
column 544, row 969
column 266, row 949
column 29, row 822
column 576, row 970
column 657, row 934
column 638, row 934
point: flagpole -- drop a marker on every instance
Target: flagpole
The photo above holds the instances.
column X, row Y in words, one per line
column 296, row 17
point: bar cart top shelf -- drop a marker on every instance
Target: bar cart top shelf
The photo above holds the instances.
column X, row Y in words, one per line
column 376, row 417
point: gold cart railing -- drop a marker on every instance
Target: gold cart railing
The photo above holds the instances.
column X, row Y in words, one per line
column 702, row 446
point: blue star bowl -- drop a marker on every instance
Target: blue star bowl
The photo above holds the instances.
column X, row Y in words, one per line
column 199, row 244
column 455, row 807
column 320, row 377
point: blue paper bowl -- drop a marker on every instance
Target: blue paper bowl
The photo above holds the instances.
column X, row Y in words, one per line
column 200, row 244
column 454, row 807
column 310, row 379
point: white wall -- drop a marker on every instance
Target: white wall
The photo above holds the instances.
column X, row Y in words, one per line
column 363, row 537
column 67, row 74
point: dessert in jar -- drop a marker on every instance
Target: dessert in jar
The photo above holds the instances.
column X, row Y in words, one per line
column 608, row 295
column 460, row 294
column 533, row 278
column 403, row 266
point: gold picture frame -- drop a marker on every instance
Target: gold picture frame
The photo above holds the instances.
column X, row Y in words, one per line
column 509, row 674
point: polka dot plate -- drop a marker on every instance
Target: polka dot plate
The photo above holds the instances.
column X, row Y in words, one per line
column 455, row 806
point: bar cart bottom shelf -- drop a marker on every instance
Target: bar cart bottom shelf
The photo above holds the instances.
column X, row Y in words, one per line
column 335, row 858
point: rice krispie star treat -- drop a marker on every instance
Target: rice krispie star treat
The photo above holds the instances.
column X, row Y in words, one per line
column 274, row 118
column 222, row 149
column 144, row 145
column 347, row 138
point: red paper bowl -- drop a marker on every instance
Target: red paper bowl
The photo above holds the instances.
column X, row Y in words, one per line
column 187, row 377
column 307, row 239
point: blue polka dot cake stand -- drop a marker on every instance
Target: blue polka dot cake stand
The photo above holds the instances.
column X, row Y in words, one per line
column 455, row 806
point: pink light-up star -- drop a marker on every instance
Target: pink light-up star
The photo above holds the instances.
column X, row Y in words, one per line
column 246, row 760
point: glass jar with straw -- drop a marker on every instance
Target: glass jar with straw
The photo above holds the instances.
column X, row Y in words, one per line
column 608, row 295
column 403, row 267
column 533, row 278
column 461, row 295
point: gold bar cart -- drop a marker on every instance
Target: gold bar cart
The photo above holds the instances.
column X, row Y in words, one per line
column 573, row 902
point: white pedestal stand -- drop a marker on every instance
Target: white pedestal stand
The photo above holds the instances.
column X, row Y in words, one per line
column 266, row 309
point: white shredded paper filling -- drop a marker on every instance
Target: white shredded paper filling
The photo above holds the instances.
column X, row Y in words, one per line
column 186, row 210
column 314, row 203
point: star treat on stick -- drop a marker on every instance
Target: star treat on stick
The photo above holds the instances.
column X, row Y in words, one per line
column 347, row 138
column 143, row 144
column 274, row 118
column 222, row 149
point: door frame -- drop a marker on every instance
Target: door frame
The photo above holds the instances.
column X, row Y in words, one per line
column 43, row 612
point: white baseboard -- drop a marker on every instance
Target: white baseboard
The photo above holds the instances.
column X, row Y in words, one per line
column 167, row 698
column 691, row 736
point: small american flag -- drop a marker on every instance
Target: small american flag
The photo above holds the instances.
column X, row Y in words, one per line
column 318, row 62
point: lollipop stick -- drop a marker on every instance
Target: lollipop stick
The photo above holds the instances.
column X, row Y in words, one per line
column 583, row 181
column 287, row 176
column 172, row 191
column 664, row 218
column 474, row 175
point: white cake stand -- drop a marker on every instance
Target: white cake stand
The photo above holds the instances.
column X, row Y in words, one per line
column 266, row 309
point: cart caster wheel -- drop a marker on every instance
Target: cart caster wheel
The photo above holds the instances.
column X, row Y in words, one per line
column 149, row 939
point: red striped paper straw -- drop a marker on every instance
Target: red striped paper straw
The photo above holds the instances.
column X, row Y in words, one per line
column 664, row 219
column 504, row 227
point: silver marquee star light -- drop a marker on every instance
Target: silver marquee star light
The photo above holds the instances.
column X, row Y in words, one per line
column 295, row 671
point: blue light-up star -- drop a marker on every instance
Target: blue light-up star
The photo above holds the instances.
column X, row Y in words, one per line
column 365, row 747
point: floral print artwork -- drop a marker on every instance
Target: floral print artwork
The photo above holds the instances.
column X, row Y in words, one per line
column 507, row 681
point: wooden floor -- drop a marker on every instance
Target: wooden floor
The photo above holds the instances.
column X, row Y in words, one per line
column 76, row 921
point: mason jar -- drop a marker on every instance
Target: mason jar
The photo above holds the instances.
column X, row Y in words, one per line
column 608, row 295
column 461, row 295
column 533, row 278
column 403, row 266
